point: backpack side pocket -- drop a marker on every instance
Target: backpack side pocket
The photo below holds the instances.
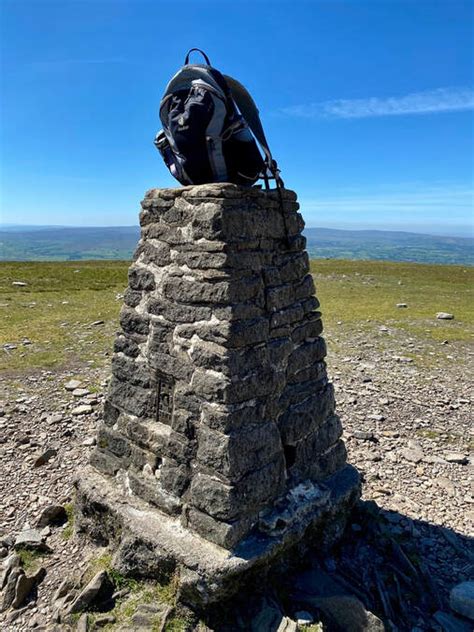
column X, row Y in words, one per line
column 170, row 159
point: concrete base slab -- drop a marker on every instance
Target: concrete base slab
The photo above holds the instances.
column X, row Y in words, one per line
column 151, row 544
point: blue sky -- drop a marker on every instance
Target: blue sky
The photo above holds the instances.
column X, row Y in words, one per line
column 367, row 105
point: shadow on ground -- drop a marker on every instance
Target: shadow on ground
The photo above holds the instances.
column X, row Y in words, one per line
column 388, row 572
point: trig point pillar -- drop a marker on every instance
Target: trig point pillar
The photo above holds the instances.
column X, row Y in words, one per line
column 220, row 448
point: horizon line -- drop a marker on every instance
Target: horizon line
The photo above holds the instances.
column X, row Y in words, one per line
column 334, row 226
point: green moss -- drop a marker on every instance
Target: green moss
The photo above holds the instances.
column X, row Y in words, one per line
column 69, row 528
column 140, row 592
column 30, row 559
column 176, row 624
column 101, row 563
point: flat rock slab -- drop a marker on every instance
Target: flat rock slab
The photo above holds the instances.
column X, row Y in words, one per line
column 461, row 599
column 209, row 573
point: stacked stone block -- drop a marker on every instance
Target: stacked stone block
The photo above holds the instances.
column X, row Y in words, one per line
column 219, row 405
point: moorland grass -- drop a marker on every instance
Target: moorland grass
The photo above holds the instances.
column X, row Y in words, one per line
column 56, row 309
column 61, row 300
column 354, row 292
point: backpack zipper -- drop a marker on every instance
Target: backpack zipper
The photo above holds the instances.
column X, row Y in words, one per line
column 210, row 154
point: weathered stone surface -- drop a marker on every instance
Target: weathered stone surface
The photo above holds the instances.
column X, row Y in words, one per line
column 140, row 278
column 303, row 417
column 132, row 297
column 112, row 441
column 30, row 539
column 348, row 613
column 225, row 534
column 105, row 462
column 99, row 583
column 24, row 586
column 52, row 514
column 8, row 564
column 219, row 412
column 148, row 489
column 234, row 455
column 208, row 572
column 132, row 322
column 8, row 594
column 226, row 501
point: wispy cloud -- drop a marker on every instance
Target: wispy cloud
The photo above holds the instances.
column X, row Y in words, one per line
column 440, row 100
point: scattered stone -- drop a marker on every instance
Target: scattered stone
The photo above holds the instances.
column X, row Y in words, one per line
column 8, row 594
column 25, row 585
column 287, row 625
column 405, row 359
column 83, row 409
column 89, row 441
column 446, row 484
column 8, row 564
column 444, row 316
column 82, row 624
column 412, row 455
column 80, row 392
column 64, row 589
column 88, row 594
column 30, row 539
column 52, row 514
column 146, row 614
column 104, row 619
column 364, row 435
column 461, row 599
column 455, row 457
column 72, row 385
column 43, row 458
column 348, row 613
column 55, row 418
column 97, row 322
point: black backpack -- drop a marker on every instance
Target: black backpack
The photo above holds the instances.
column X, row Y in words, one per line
column 210, row 123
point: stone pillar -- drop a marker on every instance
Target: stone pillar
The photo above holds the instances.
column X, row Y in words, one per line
column 219, row 416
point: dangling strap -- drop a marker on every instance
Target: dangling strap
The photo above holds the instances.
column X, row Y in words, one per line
column 186, row 61
column 249, row 111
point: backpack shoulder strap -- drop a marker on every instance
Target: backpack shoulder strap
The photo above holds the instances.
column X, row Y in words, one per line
column 249, row 111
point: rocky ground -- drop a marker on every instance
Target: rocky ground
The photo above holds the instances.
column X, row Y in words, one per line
column 406, row 406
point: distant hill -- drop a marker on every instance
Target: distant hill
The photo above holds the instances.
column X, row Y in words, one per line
column 53, row 243
column 389, row 246
column 68, row 244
